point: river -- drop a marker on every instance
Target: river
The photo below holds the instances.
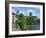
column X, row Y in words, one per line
column 36, row 27
column 28, row 27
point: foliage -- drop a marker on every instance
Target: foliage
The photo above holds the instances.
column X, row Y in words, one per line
column 21, row 21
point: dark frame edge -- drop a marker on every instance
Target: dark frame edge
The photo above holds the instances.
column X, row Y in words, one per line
column 43, row 18
column 6, row 19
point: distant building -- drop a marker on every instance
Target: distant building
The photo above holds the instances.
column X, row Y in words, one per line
column 14, row 22
column 31, row 17
column 14, row 17
column 34, row 17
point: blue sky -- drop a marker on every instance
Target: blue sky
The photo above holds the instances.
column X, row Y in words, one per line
column 26, row 10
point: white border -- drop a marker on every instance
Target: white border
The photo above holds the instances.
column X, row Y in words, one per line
column 25, row 32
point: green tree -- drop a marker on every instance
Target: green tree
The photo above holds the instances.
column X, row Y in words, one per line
column 31, row 19
column 38, row 21
column 21, row 21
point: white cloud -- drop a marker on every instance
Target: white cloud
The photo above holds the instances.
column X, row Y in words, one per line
column 13, row 11
column 31, row 11
column 20, row 11
column 38, row 16
column 33, row 14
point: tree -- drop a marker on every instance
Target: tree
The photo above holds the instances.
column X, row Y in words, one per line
column 21, row 21
column 38, row 21
column 31, row 19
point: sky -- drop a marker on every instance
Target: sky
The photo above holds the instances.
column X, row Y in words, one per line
column 26, row 10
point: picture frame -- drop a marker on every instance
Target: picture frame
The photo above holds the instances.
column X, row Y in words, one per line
column 21, row 5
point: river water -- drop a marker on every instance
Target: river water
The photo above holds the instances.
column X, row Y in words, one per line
column 36, row 27
column 32, row 27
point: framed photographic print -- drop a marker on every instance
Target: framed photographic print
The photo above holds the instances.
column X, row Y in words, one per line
column 24, row 18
